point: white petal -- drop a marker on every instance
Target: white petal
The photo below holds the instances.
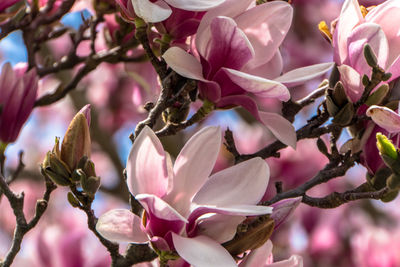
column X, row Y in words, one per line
column 146, row 167
column 241, row 184
column 257, row 85
column 151, row 12
column 282, row 129
column 183, row 63
column 202, row 251
column 195, row 5
column 219, row 227
column 301, row 75
column 385, row 118
column 193, row 166
column 121, row 225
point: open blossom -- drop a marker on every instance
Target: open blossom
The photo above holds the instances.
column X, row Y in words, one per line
column 234, row 55
column 18, row 90
column 353, row 30
column 160, row 10
column 175, row 198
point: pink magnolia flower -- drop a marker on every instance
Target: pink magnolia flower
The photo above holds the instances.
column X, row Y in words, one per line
column 156, row 11
column 353, row 31
column 177, row 198
column 262, row 257
column 233, row 50
column 17, row 96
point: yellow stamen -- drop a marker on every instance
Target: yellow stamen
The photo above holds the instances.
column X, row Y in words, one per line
column 364, row 10
column 324, row 29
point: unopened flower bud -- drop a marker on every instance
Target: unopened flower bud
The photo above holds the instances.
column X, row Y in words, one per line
column 58, row 172
column 90, row 184
column 77, row 175
column 393, row 182
column 73, row 200
column 376, row 97
column 385, row 146
column 76, row 143
column 370, row 56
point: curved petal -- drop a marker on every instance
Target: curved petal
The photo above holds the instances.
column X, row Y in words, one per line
column 146, row 167
column 283, row 209
column 350, row 16
column 241, row 184
column 159, row 208
column 151, row 12
column 385, row 118
column 304, row 74
column 235, row 210
column 202, row 251
column 259, row 256
column 258, row 85
column 195, row 5
column 219, row 227
column 387, row 15
column 229, row 46
column 230, row 8
column 269, row 70
column 266, row 26
column 193, row 166
column 121, row 225
column 183, row 63
column 240, row 100
column 281, row 128
column 352, row 83
column 372, row 34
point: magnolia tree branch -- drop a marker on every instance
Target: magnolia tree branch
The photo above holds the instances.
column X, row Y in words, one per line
column 22, row 225
column 134, row 254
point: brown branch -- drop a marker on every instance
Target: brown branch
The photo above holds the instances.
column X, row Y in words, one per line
column 332, row 170
column 336, row 199
column 22, row 226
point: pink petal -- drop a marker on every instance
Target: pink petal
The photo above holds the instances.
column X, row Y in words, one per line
column 219, row 227
column 151, row 12
column 385, row 118
column 146, row 167
column 202, row 251
column 258, row 85
column 121, row 225
column 372, row 34
column 234, row 210
column 195, row 5
column 230, row 8
column 269, row 70
column 193, row 166
column 352, row 83
column 266, row 26
column 387, row 15
column 281, row 128
column 229, row 46
column 350, row 16
column 241, row 184
column 183, row 63
column 304, row 74
column 258, row 257
column 394, row 69
column 239, row 100
column 159, row 208
column 283, row 209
